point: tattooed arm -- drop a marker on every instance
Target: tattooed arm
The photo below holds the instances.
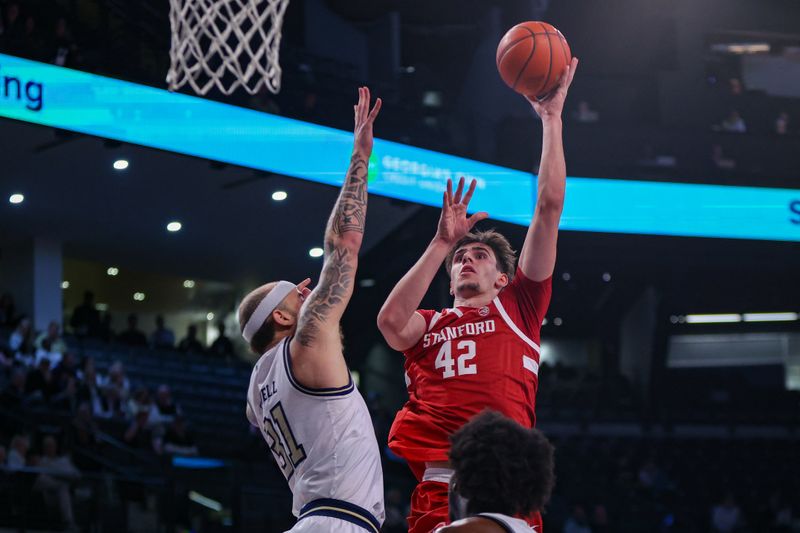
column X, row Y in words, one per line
column 316, row 349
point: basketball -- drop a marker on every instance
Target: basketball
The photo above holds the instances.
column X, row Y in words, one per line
column 531, row 57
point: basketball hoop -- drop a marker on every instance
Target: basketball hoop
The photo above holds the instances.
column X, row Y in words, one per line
column 225, row 44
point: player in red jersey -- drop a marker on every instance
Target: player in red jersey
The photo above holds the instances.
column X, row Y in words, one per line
column 484, row 351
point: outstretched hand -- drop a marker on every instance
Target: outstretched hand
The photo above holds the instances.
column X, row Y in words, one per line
column 453, row 222
column 364, row 118
column 553, row 103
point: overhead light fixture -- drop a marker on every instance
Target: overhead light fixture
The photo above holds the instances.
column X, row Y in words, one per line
column 279, row 196
column 557, row 321
column 188, row 283
column 101, row 306
column 566, row 276
column 606, row 277
column 65, row 284
column 112, row 271
column 770, row 317
column 366, row 283
column 316, row 252
column 722, row 318
column 138, row 296
column 174, row 226
column 16, row 198
column 120, row 164
column 210, row 316
column 741, row 48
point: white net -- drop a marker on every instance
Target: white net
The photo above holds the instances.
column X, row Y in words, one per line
column 225, row 44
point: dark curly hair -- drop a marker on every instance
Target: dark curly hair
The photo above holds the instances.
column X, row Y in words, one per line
column 501, row 467
column 503, row 252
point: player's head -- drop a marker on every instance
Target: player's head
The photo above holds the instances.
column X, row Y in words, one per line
column 500, row 466
column 480, row 262
column 270, row 312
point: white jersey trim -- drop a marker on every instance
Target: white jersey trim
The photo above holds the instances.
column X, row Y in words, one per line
column 529, row 364
column 513, row 326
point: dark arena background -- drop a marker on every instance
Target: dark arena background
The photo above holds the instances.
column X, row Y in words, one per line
column 670, row 364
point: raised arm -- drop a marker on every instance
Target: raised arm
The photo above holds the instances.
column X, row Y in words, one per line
column 538, row 257
column 397, row 320
column 316, row 349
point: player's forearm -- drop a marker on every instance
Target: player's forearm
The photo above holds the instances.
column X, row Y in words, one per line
column 348, row 218
column 552, row 169
column 409, row 291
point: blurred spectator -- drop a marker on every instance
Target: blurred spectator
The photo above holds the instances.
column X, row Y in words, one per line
column 222, row 345
column 13, row 395
column 141, row 402
column 45, row 352
column 782, row 123
column 21, row 341
column 734, row 123
column 726, row 516
column 162, row 337
column 396, row 512
column 577, row 522
column 85, row 319
column 54, row 482
column 53, row 334
column 132, row 336
column 720, row 160
column 64, row 48
column 117, row 381
column 39, row 385
column 18, row 454
column 735, row 87
column 190, row 342
column 34, row 46
column 65, row 395
column 13, row 32
column 89, row 391
column 138, row 434
column 178, row 439
column 585, row 114
column 165, row 408
column 67, row 367
column 104, row 331
column 7, row 310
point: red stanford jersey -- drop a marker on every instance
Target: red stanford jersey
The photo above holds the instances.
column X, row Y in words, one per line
column 470, row 359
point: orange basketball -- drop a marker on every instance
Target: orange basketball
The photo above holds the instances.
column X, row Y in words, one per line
column 531, row 57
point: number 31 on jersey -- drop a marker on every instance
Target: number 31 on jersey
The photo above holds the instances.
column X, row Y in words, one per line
column 460, row 365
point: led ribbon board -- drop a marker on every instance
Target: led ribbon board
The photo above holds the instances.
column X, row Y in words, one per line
column 95, row 105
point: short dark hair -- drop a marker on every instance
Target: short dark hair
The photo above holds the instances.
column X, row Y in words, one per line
column 503, row 252
column 501, row 467
column 265, row 334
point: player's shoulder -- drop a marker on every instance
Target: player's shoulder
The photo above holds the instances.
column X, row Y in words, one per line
column 473, row 524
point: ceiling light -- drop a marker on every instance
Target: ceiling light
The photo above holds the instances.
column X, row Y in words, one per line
column 210, row 316
column 279, row 196
column 101, row 306
column 174, row 226
column 606, row 276
column 316, row 252
column 188, row 283
column 120, row 164
column 16, row 198
column 112, row 271
column 557, row 321
column 722, row 318
column 566, row 276
column 138, row 296
column 770, row 317
column 65, row 284
column 674, row 319
column 367, row 282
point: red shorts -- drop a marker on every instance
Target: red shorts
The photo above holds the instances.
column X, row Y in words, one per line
column 429, row 509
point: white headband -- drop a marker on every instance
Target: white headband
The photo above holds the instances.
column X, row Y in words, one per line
column 266, row 307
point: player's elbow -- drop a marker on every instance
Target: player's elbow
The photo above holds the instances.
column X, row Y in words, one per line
column 387, row 321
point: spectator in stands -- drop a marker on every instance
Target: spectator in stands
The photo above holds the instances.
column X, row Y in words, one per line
column 141, row 401
column 39, row 386
column 45, row 352
column 54, row 482
column 89, row 391
column 720, row 160
column 222, row 345
column 132, row 336
column 65, row 395
column 162, row 337
column 21, row 342
column 53, row 334
column 84, row 431
column 726, row 516
column 734, row 123
column 178, row 439
column 63, row 48
column 13, row 32
column 577, row 522
column 117, row 382
column 18, row 455
column 165, row 408
column 7, row 310
column 585, row 114
column 138, row 434
column 104, row 331
column 13, row 395
column 85, row 320
column 34, row 45
column 396, row 512
column 782, row 123
column 190, row 342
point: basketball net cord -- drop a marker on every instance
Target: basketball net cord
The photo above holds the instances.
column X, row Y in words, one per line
column 225, row 44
